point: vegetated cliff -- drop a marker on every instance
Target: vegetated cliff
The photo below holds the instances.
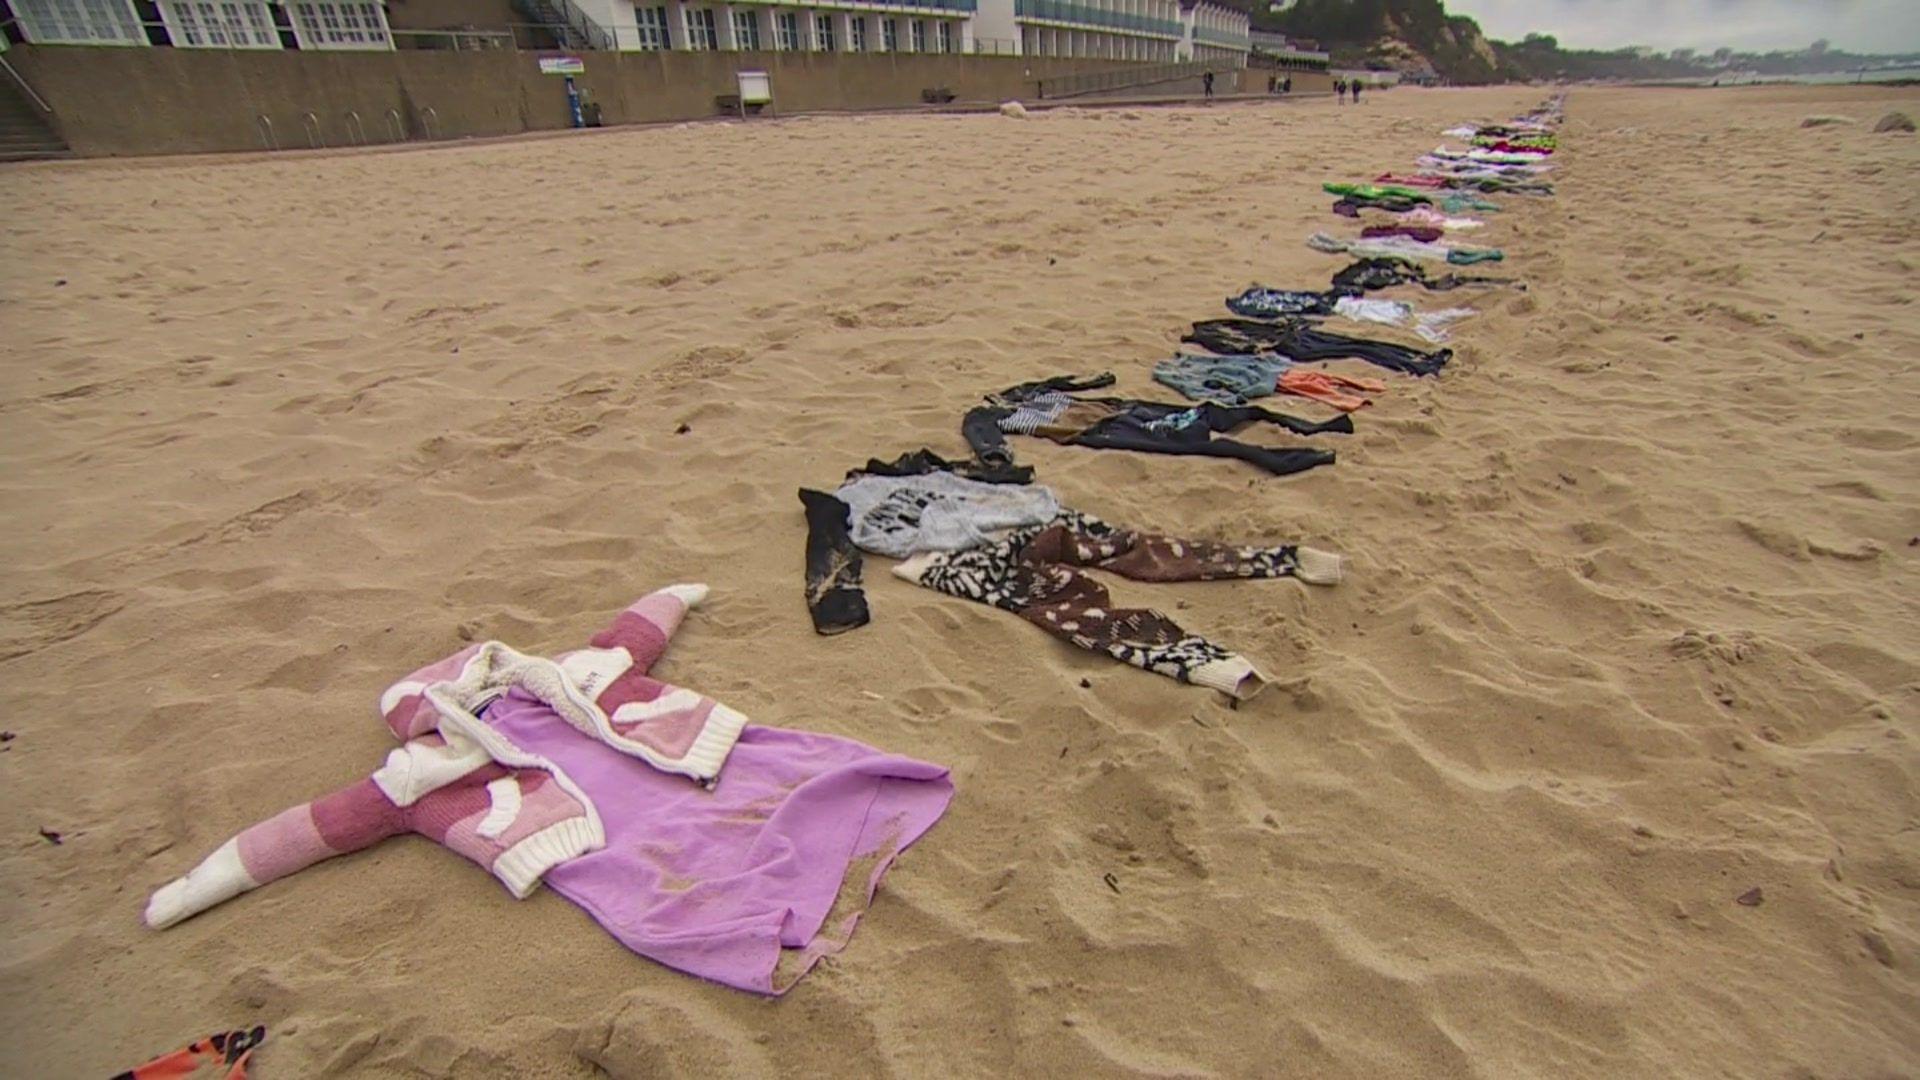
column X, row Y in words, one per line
column 1418, row 35
column 1403, row 35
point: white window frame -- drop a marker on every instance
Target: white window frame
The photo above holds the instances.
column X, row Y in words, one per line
column 889, row 35
column 823, row 31
column 219, row 24
column 652, row 21
column 786, row 31
column 703, row 30
column 746, row 30
column 340, row 25
column 857, row 33
column 917, row 34
column 943, row 35
column 79, row 22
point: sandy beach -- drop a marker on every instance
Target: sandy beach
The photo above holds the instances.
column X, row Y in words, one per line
column 1631, row 626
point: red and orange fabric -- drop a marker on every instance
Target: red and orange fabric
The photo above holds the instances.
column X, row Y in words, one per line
column 1327, row 387
column 227, row 1052
column 1424, row 233
column 1420, row 180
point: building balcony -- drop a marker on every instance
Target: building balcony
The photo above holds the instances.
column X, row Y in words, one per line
column 956, row 8
column 1301, row 56
column 1093, row 18
column 1229, row 39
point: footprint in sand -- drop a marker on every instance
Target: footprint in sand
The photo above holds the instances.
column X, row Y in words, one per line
column 1875, row 438
column 36, row 624
column 1784, row 542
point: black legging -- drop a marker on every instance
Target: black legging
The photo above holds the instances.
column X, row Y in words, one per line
column 1367, row 275
column 1296, row 340
column 1306, row 343
column 1134, row 427
column 1132, row 431
column 1228, row 417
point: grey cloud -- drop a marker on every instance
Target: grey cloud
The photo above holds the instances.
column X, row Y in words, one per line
column 1875, row 26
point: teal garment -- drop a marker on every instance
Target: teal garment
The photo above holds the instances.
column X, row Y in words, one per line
column 1224, row 380
column 1496, row 184
column 1469, row 256
column 1454, row 204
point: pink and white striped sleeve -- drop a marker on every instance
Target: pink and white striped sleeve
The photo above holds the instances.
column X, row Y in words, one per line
column 645, row 628
column 352, row 818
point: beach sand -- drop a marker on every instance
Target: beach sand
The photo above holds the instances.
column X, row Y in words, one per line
column 1632, row 625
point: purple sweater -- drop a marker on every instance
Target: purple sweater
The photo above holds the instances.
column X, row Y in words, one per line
column 588, row 773
column 718, row 883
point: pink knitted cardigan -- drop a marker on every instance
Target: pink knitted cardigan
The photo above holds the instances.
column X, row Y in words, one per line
column 462, row 783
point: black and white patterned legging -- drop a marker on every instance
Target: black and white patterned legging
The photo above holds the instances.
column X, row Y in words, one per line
column 1036, row 573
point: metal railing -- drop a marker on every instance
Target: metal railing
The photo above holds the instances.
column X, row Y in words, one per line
column 454, row 40
column 1300, row 55
column 1065, row 11
column 540, row 37
column 352, row 131
column 23, row 84
column 1295, row 61
column 597, row 35
column 827, row 6
column 1094, row 82
column 994, row 47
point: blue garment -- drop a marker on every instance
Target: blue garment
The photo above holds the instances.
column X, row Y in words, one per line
column 1469, row 256
column 1172, row 422
column 1223, row 380
column 1260, row 302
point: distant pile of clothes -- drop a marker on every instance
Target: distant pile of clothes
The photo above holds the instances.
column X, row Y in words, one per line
column 980, row 529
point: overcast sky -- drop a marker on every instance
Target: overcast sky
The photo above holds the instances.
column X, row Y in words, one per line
column 1873, row 26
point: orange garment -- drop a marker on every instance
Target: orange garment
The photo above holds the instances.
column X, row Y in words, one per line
column 1325, row 387
column 230, row 1050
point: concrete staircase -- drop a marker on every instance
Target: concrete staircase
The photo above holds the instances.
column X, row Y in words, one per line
column 571, row 29
column 26, row 131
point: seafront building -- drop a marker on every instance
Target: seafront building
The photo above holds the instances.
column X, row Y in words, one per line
column 109, row 77
column 1165, row 31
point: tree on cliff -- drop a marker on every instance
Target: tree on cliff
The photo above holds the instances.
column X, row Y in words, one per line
column 1403, row 33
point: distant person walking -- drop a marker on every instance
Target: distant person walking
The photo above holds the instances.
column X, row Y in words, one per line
column 1286, row 85
column 1356, row 91
column 1206, row 81
column 1340, row 90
